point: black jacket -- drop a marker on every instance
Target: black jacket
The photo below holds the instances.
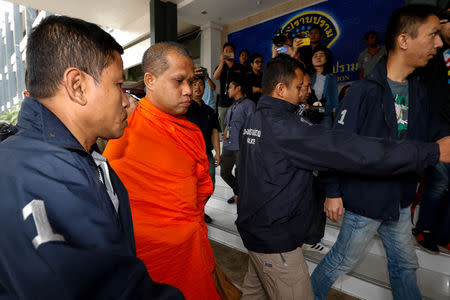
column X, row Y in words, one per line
column 279, row 150
column 369, row 110
column 61, row 235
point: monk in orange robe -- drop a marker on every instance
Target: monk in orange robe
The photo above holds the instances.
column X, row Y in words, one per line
column 161, row 159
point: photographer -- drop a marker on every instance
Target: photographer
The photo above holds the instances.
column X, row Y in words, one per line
column 210, row 87
column 284, row 40
column 225, row 72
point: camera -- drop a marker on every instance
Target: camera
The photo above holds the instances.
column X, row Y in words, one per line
column 288, row 36
column 201, row 72
column 302, row 38
column 280, row 38
column 229, row 55
column 316, row 108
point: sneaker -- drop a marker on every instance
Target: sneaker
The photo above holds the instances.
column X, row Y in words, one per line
column 207, row 219
column 444, row 248
column 317, row 247
column 231, row 200
column 425, row 240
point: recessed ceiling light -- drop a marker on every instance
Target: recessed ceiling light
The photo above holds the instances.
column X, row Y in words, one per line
column 204, row 12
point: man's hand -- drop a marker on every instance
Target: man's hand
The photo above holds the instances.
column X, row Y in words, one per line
column 333, row 208
column 217, row 159
column 274, row 51
column 444, row 149
column 222, row 58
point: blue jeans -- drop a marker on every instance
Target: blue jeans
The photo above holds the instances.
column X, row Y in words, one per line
column 354, row 237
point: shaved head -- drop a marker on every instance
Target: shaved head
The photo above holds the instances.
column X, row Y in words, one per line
column 155, row 60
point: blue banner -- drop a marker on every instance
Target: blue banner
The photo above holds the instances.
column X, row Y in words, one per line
column 343, row 23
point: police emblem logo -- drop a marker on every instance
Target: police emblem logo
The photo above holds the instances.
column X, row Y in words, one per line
column 305, row 20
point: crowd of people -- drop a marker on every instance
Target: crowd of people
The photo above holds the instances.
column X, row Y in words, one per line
column 129, row 223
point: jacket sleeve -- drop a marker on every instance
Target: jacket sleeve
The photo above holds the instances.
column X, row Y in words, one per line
column 58, row 242
column 312, row 147
column 346, row 118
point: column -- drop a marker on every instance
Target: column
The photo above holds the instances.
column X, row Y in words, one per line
column 210, row 46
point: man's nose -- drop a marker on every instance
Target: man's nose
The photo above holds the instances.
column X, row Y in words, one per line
column 439, row 42
column 125, row 101
column 187, row 89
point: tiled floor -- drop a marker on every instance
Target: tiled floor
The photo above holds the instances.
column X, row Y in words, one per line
column 234, row 265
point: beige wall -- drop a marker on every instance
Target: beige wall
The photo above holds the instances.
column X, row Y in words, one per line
column 268, row 14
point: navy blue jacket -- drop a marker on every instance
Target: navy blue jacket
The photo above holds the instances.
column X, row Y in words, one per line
column 278, row 152
column 52, row 198
column 369, row 110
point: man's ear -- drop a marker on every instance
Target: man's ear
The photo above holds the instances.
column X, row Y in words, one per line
column 279, row 90
column 75, row 83
column 149, row 80
column 402, row 41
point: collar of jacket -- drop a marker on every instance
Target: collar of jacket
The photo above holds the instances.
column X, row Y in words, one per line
column 379, row 73
column 276, row 103
column 36, row 121
column 195, row 103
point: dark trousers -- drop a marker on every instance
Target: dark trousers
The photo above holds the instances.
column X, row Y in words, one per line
column 319, row 219
column 227, row 161
column 434, row 213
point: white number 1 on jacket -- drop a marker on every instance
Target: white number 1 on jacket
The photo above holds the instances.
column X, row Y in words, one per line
column 341, row 120
column 44, row 230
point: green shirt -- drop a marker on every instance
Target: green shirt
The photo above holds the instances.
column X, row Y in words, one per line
column 401, row 102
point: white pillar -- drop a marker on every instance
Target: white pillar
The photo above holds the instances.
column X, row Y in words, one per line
column 211, row 46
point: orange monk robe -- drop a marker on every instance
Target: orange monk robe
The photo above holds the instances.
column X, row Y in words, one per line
column 162, row 161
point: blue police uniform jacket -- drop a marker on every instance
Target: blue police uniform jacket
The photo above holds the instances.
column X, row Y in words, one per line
column 368, row 110
column 61, row 235
column 278, row 152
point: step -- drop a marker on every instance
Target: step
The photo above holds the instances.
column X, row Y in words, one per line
column 369, row 280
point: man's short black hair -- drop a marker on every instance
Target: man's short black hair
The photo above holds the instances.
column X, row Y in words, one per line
column 229, row 44
column 369, row 33
column 406, row 19
column 244, row 50
column 155, row 60
column 198, row 78
column 239, row 80
column 255, row 56
column 280, row 69
column 61, row 42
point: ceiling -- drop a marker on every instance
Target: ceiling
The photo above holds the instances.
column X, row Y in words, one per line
column 134, row 15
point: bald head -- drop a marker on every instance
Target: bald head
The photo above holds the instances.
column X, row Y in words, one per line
column 155, row 60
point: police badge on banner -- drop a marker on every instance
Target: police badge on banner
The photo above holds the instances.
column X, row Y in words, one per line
column 343, row 24
column 304, row 21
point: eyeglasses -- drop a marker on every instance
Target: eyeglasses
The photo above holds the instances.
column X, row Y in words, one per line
column 258, row 62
